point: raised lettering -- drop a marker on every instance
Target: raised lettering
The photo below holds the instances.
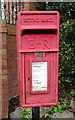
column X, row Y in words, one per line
column 45, row 44
column 51, row 20
column 31, row 20
column 38, row 42
column 31, row 44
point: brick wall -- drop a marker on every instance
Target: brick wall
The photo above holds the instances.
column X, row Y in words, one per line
column 30, row 6
column 8, row 63
column 12, row 60
column 11, row 54
column 3, row 71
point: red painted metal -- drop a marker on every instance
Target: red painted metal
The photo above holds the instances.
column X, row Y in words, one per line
column 37, row 31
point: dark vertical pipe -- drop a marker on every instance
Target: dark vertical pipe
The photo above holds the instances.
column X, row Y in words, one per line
column 12, row 12
column 9, row 11
column 16, row 10
column 22, row 5
column 35, row 113
column 0, row 10
column 5, row 8
column 19, row 5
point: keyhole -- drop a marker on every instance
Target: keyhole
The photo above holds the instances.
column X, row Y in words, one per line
column 28, row 78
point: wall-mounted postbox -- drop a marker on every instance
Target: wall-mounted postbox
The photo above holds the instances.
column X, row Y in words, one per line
column 37, row 51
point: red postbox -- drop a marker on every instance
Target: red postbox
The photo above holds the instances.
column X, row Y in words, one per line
column 37, row 51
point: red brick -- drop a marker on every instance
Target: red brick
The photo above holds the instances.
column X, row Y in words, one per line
column 14, row 54
column 13, row 93
column 3, row 41
column 3, row 46
column 0, row 71
column 3, row 29
column 2, row 35
column 0, row 95
column 3, row 67
column 0, row 102
column 3, row 77
column 0, row 80
column 30, row 6
column 12, row 63
column 3, row 52
column 3, row 72
column 4, row 91
column 4, row 62
column 14, row 59
column 11, row 39
column 0, row 51
column 0, row 115
column 11, row 50
column 5, row 107
column 4, row 86
column 5, row 103
column 0, row 56
column 12, row 46
column 14, row 82
column 4, row 113
column 3, row 22
column 4, row 82
column 0, row 86
column 0, row 112
column 3, row 56
column 14, row 88
column 5, row 96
